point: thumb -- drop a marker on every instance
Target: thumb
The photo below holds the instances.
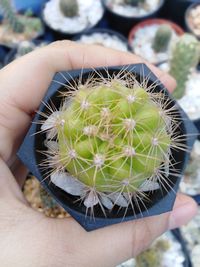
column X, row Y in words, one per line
column 115, row 244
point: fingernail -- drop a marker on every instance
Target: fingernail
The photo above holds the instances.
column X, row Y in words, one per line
column 183, row 214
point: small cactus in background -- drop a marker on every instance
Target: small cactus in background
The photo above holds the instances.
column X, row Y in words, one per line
column 185, row 57
column 110, row 141
column 10, row 16
column 162, row 38
column 24, row 48
column 69, row 8
column 134, row 2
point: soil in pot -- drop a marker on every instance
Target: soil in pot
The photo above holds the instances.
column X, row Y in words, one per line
column 104, row 37
column 72, row 16
column 164, row 252
column 154, row 39
column 192, row 19
column 15, row 28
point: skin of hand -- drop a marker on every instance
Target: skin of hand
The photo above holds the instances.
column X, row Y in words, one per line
column 28, row 238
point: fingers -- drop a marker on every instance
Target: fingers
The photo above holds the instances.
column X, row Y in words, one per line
column 25, row 81
column 112, row 245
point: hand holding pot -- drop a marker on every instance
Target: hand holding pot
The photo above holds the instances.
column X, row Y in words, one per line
column 28, row 238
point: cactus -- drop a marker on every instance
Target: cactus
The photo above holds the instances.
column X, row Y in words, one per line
column 24, row 48
column 9, row 14
column 185, row 57
column 109, row 142
column 162, row 38
column 69, row 8
column 134, row 2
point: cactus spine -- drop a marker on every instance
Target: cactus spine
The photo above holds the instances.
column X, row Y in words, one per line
column 185, row 57
column 9, row 14
column 69, row 8
column 162, row 38
column 109, row 141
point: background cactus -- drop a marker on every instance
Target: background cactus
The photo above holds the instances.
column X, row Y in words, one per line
column 11, row 17
column 134, row 2
column 162, row 38
column 185, row 57
column 109, row 142
column 69, row 8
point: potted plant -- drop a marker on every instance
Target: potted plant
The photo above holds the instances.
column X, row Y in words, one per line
column 104, row 37
column 153, row 39
column 22, row 49
column 123, row 14
column 192, row 16
column 183, row 67
column 16, row 27
column 112, row 148
column 65, row 18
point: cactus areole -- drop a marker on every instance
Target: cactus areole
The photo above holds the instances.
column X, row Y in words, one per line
column 109, row 144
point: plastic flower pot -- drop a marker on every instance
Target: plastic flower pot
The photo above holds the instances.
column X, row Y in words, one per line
column 124, row 24
column 175, row 10
column 149, row 22
column 187, row 13
column 60, row 34
column 102, row 31
column 159, row 200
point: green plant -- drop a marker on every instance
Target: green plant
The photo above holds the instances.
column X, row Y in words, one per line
column 185, row 57
column 134, row 2
column 24, row 48
column 11, row 17
column 162, row 38
column 110, row 141
column 69, row 8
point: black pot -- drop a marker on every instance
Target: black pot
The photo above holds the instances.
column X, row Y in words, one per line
column 124, row 24
column 178, row 236
column 4, row 51
column 102, row 31
column 175, row 10
column 61, row 35
column 161, row 200
column 188, row 10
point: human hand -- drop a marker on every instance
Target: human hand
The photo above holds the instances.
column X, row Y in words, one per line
column 28, row 238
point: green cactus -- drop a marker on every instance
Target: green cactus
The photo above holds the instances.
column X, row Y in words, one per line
column 69, row 8
column 134, row 2
column 109, row 141
column 24, row 48
column 185, row 57
column 10, row 16
column 162, row 38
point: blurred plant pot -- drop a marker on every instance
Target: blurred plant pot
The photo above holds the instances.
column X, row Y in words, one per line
column 62, row 27
column 104, row 37
column 34, row 5
column 151, row 23
column 123, row 23
column 161, row 200
column 4, row 51
column 192, row 19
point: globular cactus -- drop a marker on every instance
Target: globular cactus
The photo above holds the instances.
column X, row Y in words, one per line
column 109, row 142
column 24, row 48
column 185, row 57
column 10, row 16
column 162, row 38
column 134, row 2
column 69, row 8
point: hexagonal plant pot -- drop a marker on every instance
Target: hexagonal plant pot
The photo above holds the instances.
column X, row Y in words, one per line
column 159, row 201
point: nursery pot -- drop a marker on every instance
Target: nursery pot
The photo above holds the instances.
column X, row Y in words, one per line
column 59, row 34
column 159, row 201
column 187, row 25
column 122, row 23
column 109, row 32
